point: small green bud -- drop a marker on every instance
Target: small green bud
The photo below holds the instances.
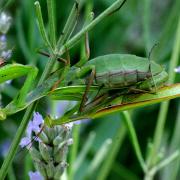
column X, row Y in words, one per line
column 43, row 137
column 41, row 167
column 60, row 169
column 60, row 154
column 50, row 133
column 46, row 151
column 35, row 154
column 57, row 140
column 50, row 169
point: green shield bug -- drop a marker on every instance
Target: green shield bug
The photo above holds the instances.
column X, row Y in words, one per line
column 119, row 71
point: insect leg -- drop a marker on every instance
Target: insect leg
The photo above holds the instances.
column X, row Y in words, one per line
column 135, row 90
column 84, row 98
column 96, row 103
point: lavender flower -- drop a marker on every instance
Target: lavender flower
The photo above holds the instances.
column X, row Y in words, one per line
column 34, row 126
column 25, row 142
column 177, row 69
column 50, row 151
column 6, row 54
column 35, row 176
column 3, row 42
column 3, row 38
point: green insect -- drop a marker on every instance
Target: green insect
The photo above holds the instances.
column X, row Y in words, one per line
column 123, row 73
column 113, row 75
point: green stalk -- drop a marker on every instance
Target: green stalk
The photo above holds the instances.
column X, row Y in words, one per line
column 171, row 172
column 69, row 26
column 41, row 25
column 52, row 31
column 73, row 151
column 115, row 6
column 164, row 106
column 14, row 146
column 110, row 159
column 11, row 174
column 134, row 140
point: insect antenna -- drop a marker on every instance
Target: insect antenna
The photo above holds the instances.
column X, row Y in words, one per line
column 149, row 58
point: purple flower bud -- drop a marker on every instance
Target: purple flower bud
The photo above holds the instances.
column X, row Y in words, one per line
column 177, row 69
column 35, row 175
column 37, row 119
column 6, row 54
column 34, row 125
column 26, row 141
column 3, row 38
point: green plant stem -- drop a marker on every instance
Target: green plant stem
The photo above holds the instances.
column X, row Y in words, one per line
column 133, row 138
column 100, row 155
column 69, row 26
column 115, row 6
column 41, row 25
column 110, row 159
column 165, row 162
column 52, row 31
column 171, row 172
column 12, row 151
column 150, row 174
column 164, row 106
column 11, row 174
column 74, row 148
column 84, row 151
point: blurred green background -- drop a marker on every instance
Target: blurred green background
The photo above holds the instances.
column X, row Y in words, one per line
column 134, row 30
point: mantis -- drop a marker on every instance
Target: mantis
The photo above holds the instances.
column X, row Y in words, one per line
column 12, row 71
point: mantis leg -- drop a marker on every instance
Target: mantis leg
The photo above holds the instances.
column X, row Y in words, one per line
column 13, row 71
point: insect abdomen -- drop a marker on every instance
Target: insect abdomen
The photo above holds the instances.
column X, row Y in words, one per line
column 121, row 78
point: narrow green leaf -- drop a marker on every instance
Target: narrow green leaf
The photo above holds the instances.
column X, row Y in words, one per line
column 140, row 100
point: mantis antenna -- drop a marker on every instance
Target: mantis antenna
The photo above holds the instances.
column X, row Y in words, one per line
column 149, row 58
